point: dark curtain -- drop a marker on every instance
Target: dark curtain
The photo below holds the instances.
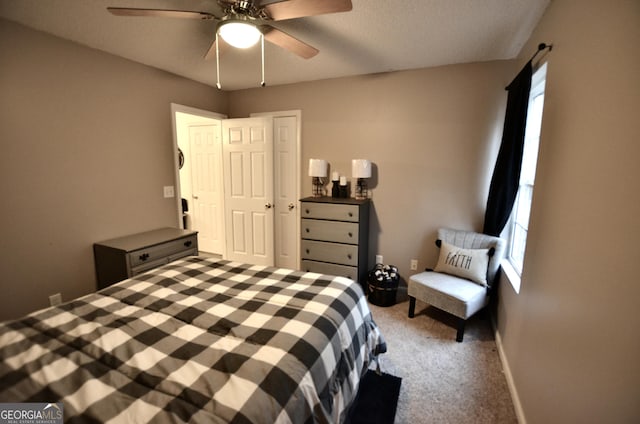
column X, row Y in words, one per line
column 506, row 174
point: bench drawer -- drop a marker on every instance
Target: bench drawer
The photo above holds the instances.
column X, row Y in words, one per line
column 159, row 251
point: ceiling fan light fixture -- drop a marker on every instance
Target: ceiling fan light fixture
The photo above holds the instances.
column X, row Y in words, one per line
column 239, row 34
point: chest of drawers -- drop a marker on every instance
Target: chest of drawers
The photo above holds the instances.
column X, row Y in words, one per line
column 335, row 236
column 121, row 258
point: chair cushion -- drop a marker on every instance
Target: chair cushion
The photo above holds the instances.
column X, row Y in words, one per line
column 457, row 296
column 471, row 264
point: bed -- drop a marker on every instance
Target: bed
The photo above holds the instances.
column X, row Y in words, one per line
column 199, row 340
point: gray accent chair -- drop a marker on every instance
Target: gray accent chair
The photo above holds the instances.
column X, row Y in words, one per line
column 455, row 295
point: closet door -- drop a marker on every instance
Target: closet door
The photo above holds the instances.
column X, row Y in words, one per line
column 286, row 147
column 206, row 186
column 286, row 191
column 247, row 146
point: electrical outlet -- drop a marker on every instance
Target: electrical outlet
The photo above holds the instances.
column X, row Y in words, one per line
column 168, row 191
column 55, row 299
column 414, row 264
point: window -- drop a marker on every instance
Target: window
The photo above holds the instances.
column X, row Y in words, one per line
column 522, row 207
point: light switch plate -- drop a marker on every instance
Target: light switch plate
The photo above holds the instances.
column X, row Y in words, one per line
column 168, row 191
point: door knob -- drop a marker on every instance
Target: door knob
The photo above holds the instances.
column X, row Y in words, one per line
column 268, row 206
column 194, row 196
column 291, row 206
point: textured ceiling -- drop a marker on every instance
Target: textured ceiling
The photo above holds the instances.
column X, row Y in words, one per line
column 376, row 36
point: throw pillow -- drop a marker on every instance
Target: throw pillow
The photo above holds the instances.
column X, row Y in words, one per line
column 470, row 264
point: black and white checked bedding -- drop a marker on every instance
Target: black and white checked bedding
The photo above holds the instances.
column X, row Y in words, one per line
column 199, row 341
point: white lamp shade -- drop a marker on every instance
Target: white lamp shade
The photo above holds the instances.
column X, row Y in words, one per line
column 317, row 168
column 239, row 34
column 361, row 168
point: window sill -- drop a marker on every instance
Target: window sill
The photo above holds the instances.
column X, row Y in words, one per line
column 511, row 274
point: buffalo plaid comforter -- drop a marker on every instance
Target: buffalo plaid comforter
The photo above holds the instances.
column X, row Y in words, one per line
column 198, row 341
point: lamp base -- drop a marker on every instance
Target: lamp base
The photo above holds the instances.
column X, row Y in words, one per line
column 317, row 189
column 361, row 189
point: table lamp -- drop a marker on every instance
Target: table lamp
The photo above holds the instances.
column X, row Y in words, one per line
column 361, row 170
column 317, row 170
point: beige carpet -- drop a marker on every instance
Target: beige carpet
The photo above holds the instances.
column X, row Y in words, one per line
column 443, row 381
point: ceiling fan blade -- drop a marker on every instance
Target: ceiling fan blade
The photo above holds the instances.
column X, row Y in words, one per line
column 287, row 42
column 300, row 8
column 211, row 53
column 160, row 13
column 222, row 48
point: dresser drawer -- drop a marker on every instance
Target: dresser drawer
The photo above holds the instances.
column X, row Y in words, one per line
column 346, row 254
column 330, row 269
column 341, row 232
column 159, row 251
column 330, row 211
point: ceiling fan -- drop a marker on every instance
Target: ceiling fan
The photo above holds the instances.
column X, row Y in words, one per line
column 244, row 21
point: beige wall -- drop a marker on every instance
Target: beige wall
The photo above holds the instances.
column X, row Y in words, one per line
column 86, row 149
column 571, row 335
column 88, row 143
column 430, row 133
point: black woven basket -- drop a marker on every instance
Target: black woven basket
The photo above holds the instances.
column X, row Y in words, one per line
column 382, row 296
column 382, row 291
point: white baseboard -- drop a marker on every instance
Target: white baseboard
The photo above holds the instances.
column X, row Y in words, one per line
column 507, row 373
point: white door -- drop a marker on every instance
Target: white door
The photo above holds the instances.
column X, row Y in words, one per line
column 285, row 132
column 206, row 186
column 247, row 146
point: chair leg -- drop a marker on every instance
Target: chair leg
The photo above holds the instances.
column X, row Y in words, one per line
column 460, row 333
column 412, row 306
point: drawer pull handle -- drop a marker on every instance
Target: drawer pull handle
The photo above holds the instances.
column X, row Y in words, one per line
column 349, row 256
column 350, row 214
column 306, row 211
column 188, row 243
column 307, row 251
column 306, row 229
column 144, row 256
column 350, row 234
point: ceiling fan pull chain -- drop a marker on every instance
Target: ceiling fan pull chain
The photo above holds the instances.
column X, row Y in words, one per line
column 218, row 63
column 262, row 83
